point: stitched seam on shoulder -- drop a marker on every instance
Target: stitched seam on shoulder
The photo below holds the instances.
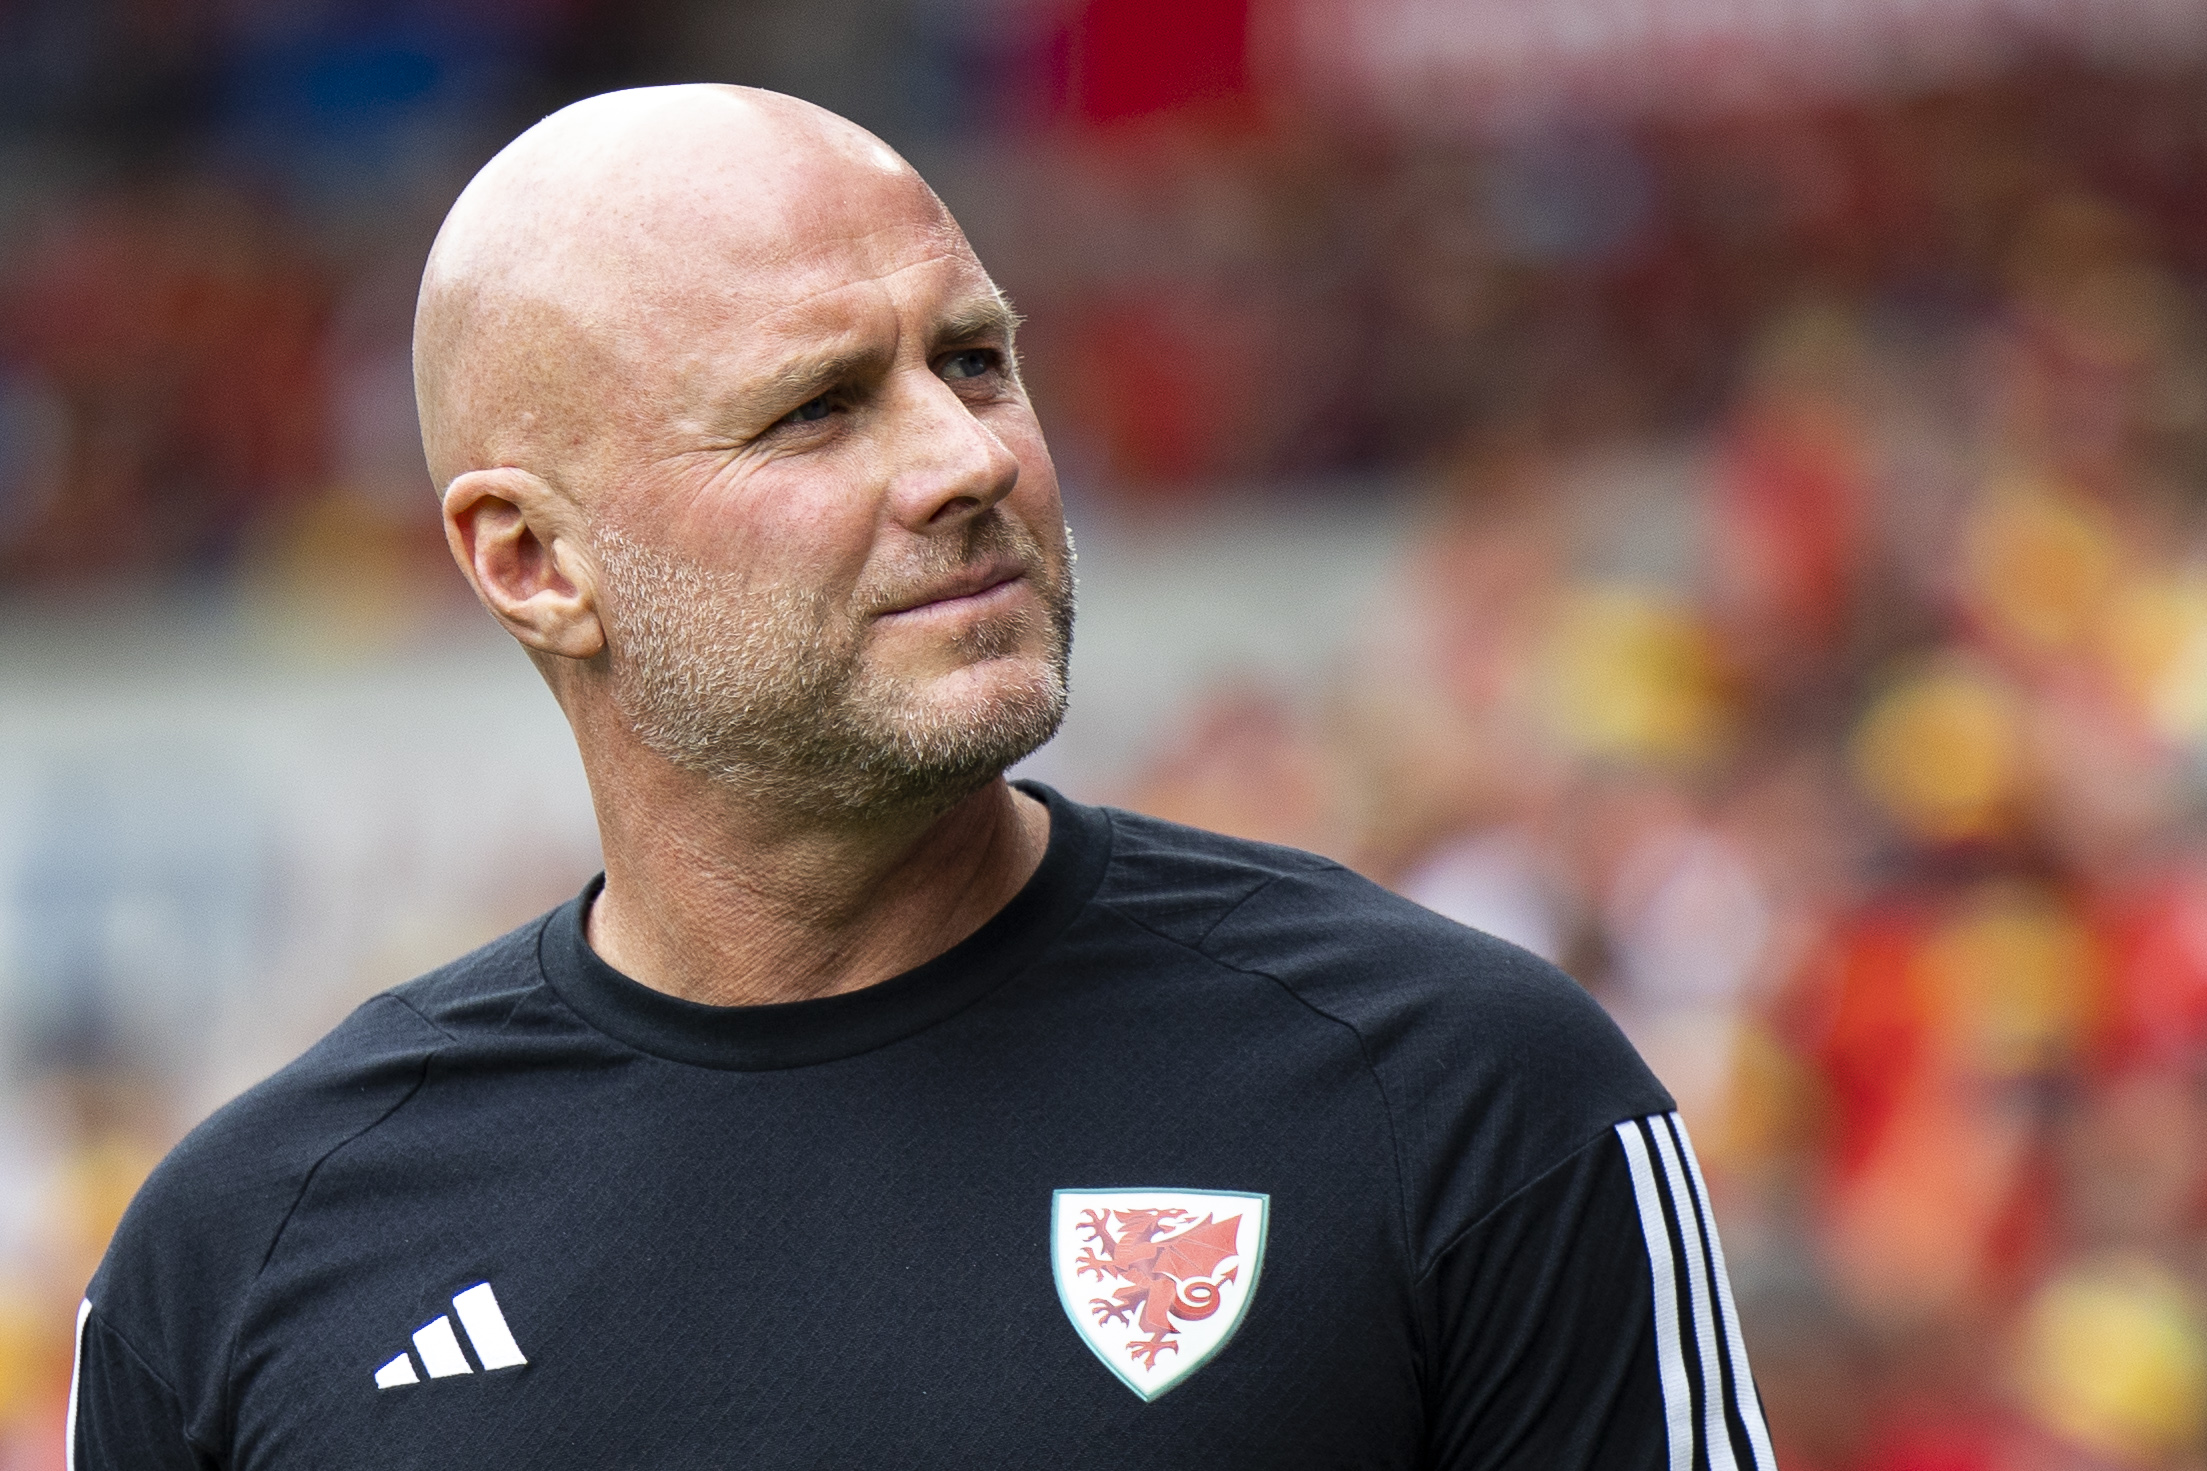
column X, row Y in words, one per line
column 421, row 1016
column 1236, row 907
column 1570, row 1157
column 1229, row 912
column 1266, row 881
column 306, row 1183
column 505, row 1022
column 145, row 1362
column 536, row 964
column 1363, row 1051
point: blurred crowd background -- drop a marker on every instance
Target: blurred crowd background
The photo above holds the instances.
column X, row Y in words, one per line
column 1712, row 490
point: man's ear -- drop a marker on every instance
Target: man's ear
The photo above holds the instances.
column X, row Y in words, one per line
column 517, row 541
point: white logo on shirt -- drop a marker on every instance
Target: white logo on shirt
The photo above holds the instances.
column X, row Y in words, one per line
column 438, row 1343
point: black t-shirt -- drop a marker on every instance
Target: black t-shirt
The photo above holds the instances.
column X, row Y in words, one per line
column 1200, row 1153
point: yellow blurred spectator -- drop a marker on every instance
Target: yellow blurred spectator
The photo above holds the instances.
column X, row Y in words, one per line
column 2038, row 560
column 2113, row 1358
column 2153, row 638
column 2012, row 981
column 1768, row 1099
column 1940, row 752
column 1635, row 676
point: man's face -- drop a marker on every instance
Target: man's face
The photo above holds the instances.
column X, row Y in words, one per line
column 838, row 573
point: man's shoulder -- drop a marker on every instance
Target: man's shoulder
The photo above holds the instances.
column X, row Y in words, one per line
column 1181, row 882
column 359, row 1070
column 194, row 1238
column 1342, row 942
column 1495, row 1064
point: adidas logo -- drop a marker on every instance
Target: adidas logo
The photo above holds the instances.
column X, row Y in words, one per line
column 438, row 1343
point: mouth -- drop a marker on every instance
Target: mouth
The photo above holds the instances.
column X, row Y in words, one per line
column 972, row 589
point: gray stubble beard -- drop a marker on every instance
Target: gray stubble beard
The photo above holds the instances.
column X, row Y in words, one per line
column 765, row 689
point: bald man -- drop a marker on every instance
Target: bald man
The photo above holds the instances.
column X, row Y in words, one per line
column 871, row 1111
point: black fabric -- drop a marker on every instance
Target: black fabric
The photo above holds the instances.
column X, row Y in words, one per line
column 133, row 1417
column 816, row 1235
column 1515, row 1297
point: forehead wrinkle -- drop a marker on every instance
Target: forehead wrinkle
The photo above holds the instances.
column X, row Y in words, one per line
column 815, row 320
column 746, row 311
column 884, row 279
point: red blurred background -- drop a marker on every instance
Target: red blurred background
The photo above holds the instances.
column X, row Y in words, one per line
column 1713, row 491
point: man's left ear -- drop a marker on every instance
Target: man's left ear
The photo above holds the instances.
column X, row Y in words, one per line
column 518, row 543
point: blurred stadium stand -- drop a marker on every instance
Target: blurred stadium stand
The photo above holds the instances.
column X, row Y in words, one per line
column 1713, row 490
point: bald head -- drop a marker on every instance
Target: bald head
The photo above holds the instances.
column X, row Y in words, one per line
column 574, row 282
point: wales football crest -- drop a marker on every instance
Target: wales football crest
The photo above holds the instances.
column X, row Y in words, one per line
column 1156, row 1281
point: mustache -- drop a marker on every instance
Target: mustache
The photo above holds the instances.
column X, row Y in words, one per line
column 992, row 537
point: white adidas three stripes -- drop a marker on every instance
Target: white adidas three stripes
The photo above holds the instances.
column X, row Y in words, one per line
column 436, row 1341
column 439, row 1345
column 1675, row 1220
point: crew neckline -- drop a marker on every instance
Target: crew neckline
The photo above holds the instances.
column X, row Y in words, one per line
column 791, row 1034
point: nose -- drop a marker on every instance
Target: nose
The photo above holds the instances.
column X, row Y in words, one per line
column 946, row 466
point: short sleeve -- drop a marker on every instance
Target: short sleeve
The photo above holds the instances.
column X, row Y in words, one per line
column 122, row 1415
column 1587, row 1323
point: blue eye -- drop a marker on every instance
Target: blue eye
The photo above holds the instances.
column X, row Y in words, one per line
column 810, row 411
column 969, row 364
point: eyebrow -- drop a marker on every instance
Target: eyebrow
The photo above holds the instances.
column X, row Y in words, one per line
column 990, row 317
column 803, row 379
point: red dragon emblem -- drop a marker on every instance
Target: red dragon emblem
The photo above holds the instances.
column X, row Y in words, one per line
column 1164, row 1276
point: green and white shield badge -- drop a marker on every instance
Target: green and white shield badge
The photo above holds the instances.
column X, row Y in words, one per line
column 1156, row 1281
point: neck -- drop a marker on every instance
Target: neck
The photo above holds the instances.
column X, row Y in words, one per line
column 710, row 900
